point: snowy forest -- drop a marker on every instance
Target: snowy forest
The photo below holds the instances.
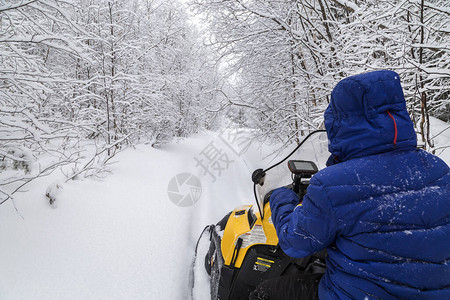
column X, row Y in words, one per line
column 285, row 57
column 105, row 73
column 113, row 73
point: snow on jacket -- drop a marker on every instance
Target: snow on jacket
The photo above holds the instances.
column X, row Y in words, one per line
column 382, row 209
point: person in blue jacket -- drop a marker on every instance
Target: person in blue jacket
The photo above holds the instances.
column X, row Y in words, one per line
column 381, row 208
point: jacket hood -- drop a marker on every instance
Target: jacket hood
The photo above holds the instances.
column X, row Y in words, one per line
column 367, row 115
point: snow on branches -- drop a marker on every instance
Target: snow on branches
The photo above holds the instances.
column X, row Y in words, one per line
column 99, row 75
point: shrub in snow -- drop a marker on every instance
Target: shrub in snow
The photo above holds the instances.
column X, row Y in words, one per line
column 52, row 192
column 17, row 159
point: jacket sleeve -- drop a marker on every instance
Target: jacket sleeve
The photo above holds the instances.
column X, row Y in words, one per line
column 307, row 228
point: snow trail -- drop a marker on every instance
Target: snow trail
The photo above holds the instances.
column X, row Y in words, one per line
column 120, row 237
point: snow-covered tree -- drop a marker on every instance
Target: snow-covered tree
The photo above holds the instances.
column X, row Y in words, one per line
column 284, row 57
column 411, row 37
column 110, row 72
column 36, row 37
column 149, row 70
column 281, row 55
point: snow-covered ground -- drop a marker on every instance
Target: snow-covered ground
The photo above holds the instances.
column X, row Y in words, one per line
column 121, row 237
column 125, row 236
column 440, row 133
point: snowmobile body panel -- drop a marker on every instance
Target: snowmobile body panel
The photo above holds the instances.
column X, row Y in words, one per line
column 244, row 230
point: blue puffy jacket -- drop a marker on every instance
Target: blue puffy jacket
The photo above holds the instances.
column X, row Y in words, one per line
column 381, row 209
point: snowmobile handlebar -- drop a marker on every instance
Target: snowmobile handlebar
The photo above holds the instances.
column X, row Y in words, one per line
column 258, row 176
column 300, row 169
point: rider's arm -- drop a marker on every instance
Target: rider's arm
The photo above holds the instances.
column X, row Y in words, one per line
column 303, row 229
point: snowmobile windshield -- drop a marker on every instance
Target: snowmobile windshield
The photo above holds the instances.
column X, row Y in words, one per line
column 313, row 148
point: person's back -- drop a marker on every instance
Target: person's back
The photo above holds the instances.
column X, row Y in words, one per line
column 382, row 209
column 391, row 214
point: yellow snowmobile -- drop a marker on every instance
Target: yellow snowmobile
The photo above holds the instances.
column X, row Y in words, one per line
column 243, row 247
